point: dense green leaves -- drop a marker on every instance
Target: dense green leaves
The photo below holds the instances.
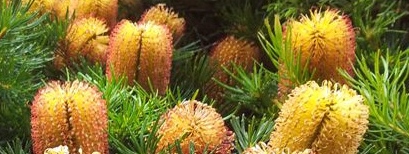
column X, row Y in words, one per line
column 27, row 41
column 383, row 86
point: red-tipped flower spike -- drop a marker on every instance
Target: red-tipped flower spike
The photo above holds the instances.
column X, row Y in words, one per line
column 85, row 37
column 72, row 114
column 197, row 123
column 141, row 52
column 227, row 51
column 160, row 14
column 327, row 40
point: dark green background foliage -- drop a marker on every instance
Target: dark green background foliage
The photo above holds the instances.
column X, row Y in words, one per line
column 28, row 41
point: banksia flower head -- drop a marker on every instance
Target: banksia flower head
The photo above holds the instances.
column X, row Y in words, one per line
column 86, row 37
column 193, row 122
column 141, row 52
column 72, row 114
column 103, row 9
column 344, row 125
column 327, row 119
column 227, row 51
column 160, row 14
column 327, row 40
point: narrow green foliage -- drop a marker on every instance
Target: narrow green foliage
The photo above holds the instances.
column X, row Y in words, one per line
column 250, row 132
column 384, row 88
column 252, row 91
column 279, row 50
column 15, row 146
column 143, row 140
column 26, row 44
column 243, row 18
column 191, row 75
column 374, row 25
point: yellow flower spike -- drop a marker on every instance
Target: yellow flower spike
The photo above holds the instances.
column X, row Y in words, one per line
column 86, row 37
column 72, row 114
column 344, row 127
column 230, row 50
column 106, row 10
column 327, row 40
column 193, row 121
column 339, row 120
column 141, row 52
column 300, row 117
column 161, row 14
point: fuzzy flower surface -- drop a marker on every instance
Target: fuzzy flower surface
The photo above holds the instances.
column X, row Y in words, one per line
column 161, row 14
column 197, row 123
column 141, row 52
column 230, row 50
column 72, row 114
column 324, row 39
column 326, row 119
column 86, row 37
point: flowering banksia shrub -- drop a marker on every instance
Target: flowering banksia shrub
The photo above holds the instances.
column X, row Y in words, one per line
column 193, row 121
column 72, row 114
column 230, row 50
column 327, row 40
column 141, row 52
column 85, row 37
column 160, row 14
column 327, row 119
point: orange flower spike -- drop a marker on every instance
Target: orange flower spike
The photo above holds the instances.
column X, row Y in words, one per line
column 161, row 14
column 197, row 123
column 123, row 51
column 155, row 57
column 87, row 37
column 103, row 9
column 227, row 51
column 328, row 39
column 142, row 52
column 72, row 114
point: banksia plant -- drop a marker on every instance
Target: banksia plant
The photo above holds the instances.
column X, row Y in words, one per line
column 161, row 14
column 141, row 52
column 72, row 114
column 228, row 51
column 326, row 40
column 85, row 37
column 106, row 10
column 327, row 119
column 197, row 123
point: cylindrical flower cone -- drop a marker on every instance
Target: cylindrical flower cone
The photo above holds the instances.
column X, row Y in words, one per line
column 103, row 9
column 123, row 51
column 161, row 14
column 300, row 118
column 335, row 125
column 85, row 37
column 72, row 114
column 344, row 126
column 141, row 52
column 193, row 122
column 327, row 40
column 230, row 50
